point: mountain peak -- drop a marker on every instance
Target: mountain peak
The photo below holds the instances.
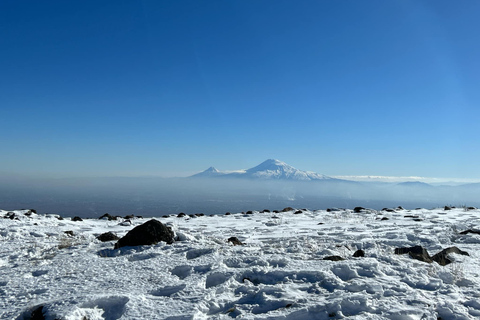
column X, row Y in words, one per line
column 267, row 170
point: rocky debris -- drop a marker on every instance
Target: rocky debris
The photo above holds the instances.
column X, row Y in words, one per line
column 420, row 253
column 151, row 232
column 470, row 231
column 108, row 217
column 69, row 233
column 298, row 212
column 334, row 258
column 442, row 259
column 359, row 253
column 76, row 218
column 287, row 209
column 11, row 215
column 107, row 236
column 235, row 241
column 416, row 252
column 358, row 209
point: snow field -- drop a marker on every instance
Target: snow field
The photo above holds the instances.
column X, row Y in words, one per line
column 278, row 274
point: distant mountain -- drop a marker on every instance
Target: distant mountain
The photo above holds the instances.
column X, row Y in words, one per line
column 210, row 172
column 416, row 184
column 270, row 169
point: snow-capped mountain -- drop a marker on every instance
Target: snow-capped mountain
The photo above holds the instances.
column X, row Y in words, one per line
column 269, row 169
column 210, row 172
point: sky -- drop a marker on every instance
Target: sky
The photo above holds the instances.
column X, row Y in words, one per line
column 170, row 88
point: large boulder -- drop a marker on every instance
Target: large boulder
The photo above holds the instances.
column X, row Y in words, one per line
column 151, row 232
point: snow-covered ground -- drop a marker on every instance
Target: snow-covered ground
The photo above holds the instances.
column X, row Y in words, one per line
column 279, row 272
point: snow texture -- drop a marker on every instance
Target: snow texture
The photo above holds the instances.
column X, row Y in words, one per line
column 279, row 272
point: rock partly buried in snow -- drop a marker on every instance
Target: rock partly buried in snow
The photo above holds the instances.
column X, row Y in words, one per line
column 358, row 209
column 107, row 236
column 235, row 241
column 442, row 259
column 416, row 252
column 334, row 258
column 359, row 253
column 287, row 209
column 108, row 217
column 151, row 232
column 77, row 219
column 470, row 231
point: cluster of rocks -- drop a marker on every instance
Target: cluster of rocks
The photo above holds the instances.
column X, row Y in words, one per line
column 421, row 254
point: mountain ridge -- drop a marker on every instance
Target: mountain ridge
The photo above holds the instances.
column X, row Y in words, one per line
column 270, row 169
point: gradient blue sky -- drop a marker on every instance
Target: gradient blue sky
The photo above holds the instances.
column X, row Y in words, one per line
column 102, row 88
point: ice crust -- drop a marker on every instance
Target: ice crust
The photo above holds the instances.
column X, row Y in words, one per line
column 277, row 274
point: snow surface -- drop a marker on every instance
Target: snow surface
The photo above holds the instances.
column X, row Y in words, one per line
column 277, row 274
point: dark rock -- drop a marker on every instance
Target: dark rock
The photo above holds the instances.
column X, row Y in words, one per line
column 275, row 217
column 384, row 218
column 130, row 216
column 151, row 232
column 359, row 253
column 192, row 216
column 470, row 231
column 107, row 236
column 199, row 214
column 417, row 219
column 60, row 218
column 334, row 258
column 400, row 208
column 69, row 233
column 287, row 209
column 276, row 211
column 358, row 209
column 227, row 213
column 235, row 241
column 416, row 252
column 333, row 209
column 410, row 216
column 447, row 208
column 471, row 208
column 165, row 216
column 181, row 214
column 139, row 217
column 265, row 211
column 10, row 215
column 33, row 210
column 298, row 212
column 442, row 259
column 77, row 219
column 37, row 314
column 28, row 213
column 249, row 212
column 320, row 223
column 107, row 216
column 388, row 210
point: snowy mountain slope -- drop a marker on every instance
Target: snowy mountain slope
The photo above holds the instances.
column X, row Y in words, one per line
column 279, row 272
column 269, row 169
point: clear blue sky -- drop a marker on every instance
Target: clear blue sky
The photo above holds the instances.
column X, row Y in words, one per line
column 103, row 88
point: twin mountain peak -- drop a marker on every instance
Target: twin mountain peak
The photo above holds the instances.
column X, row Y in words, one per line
column 269, row 169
